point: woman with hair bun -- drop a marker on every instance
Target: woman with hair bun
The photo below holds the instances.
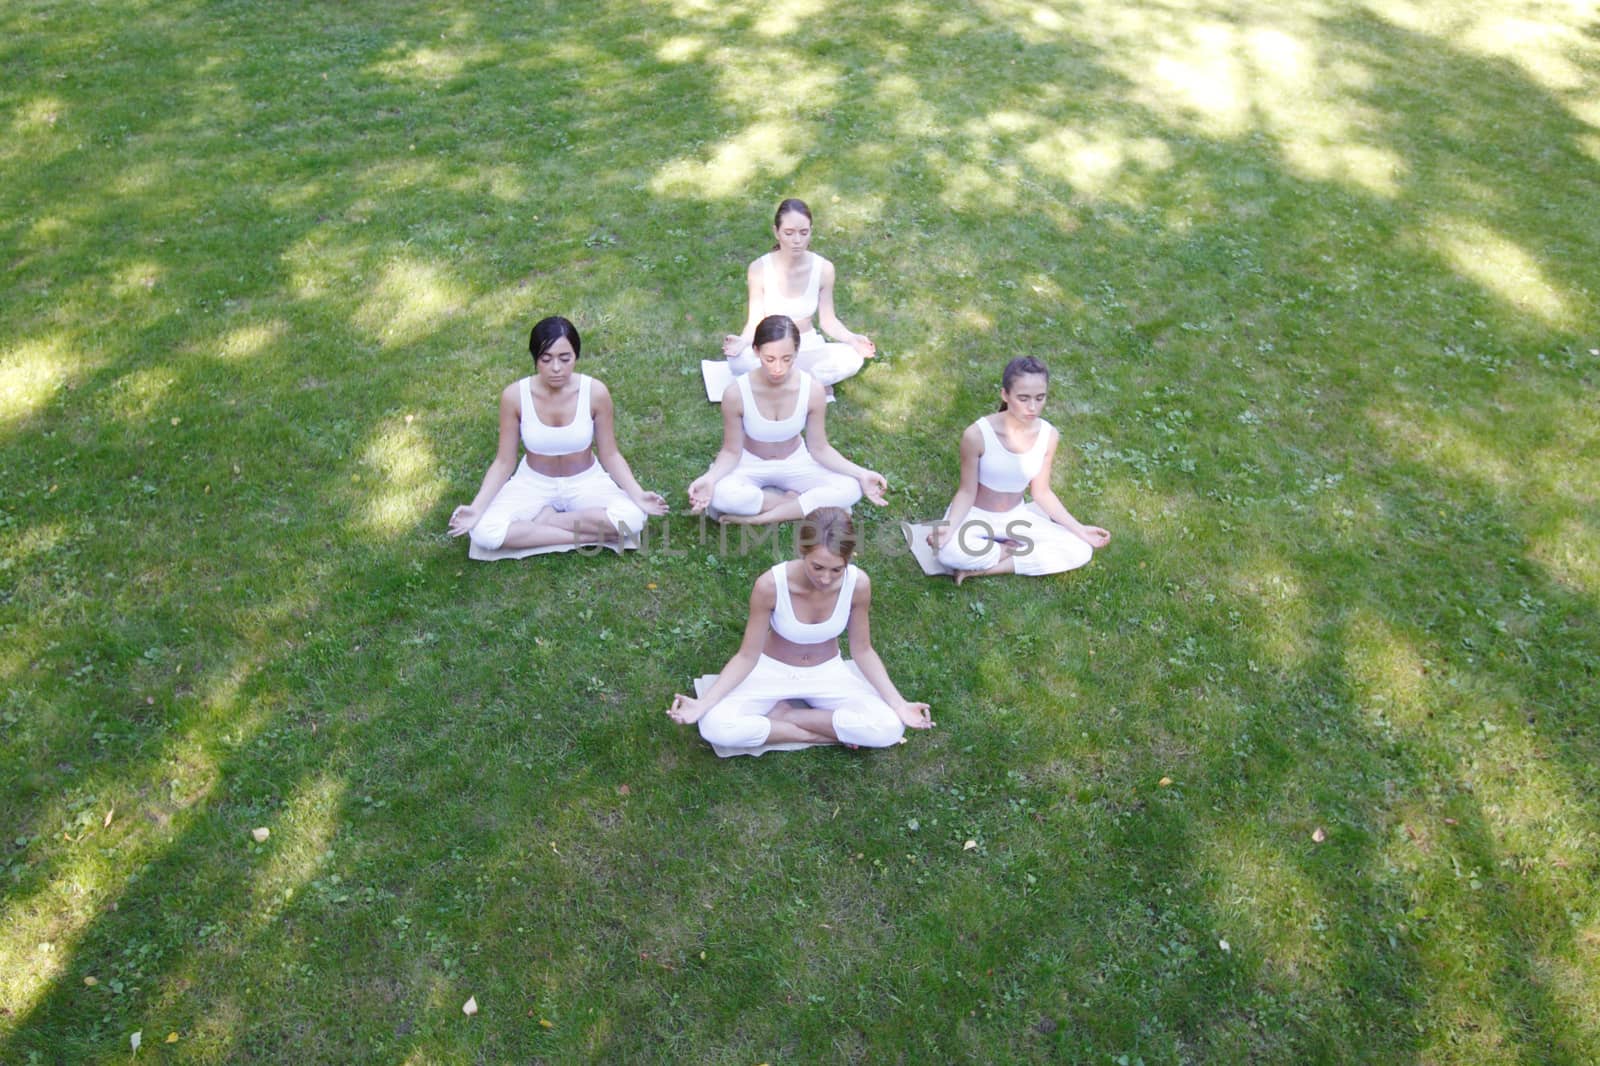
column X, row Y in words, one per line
column 794, row 281
column 787, row 686
column 776, row 464
column 572, row 486
column 987, row 529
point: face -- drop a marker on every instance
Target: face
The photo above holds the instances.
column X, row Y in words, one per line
column 556, row 363
column 793, row 232
column 777, row 359
column 1025, row 399
column 823, row 568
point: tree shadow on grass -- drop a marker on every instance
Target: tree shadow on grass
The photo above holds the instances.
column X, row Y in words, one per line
column 542, row 823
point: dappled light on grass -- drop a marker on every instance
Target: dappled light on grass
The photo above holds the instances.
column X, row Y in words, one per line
column 247, row 342
column 765, row 149
column 1503, row 268
column 405, row 475
column 32, row 373
column 780, row 18
column 1558, row 57
column 1097, row 163
column 1267, row 906
column 409, row 300
column 1283, row 621
column 1570, row 552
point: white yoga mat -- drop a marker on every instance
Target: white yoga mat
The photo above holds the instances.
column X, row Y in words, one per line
column 484, row 555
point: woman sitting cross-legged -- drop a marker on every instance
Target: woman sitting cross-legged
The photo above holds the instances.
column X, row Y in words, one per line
column 793, row 280
column 572, row 486
column 986, row 529
column 775, row 463
column 787, row 685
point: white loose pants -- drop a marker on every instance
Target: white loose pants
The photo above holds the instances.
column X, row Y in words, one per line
column 529, row 492
column 1053, row 548
column 739, row 491
column 860, row 716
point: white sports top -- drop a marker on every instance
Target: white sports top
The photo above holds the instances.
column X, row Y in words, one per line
column 1003, row 470
column 773, row 302
column 759, row 427
column 790, row 628
column 575, row 436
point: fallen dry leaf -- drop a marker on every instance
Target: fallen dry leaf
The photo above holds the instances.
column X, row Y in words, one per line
column 261, row 834
column 107, row 823
column 623, row 789
column 546, row 1023
column 172, row 1038
column 1164, row 782
column 470, row 1007
column 134, row 1040
column 90, row 981
column 969, row 845
column 1225, row 946
column 1318, row 835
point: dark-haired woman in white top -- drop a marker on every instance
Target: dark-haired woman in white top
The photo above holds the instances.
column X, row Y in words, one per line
column 776, row 464
column 572, row 486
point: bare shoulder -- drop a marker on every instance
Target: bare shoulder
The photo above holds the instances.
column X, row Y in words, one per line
column 765, row 592
column 511, row 396
column 598, row 393
column 826, row 266
column 863, row 590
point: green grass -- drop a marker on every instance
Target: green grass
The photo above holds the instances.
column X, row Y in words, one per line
column 1317, row 284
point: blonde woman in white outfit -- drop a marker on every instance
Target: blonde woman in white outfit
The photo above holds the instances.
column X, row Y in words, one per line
column 787, row 684
column 775, row 463
column 794, row 281
column 987, row 529
column 572, row 486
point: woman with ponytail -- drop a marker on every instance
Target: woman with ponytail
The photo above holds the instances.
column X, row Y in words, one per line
column 988, row 529
column 792, row 280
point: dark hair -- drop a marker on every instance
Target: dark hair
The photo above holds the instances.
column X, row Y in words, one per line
column 1022, row 364
column 549, row 330
column 827, row 527
column 775, row 328
column 791, row 204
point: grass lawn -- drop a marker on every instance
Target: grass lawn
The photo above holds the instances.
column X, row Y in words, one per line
column 1304, row 767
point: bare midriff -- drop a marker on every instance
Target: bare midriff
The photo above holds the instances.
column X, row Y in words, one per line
column 777, row 449
column 988, row 499
column 568, row 465
column 787, row 651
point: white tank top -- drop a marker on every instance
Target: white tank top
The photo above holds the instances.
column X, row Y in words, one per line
column 1004, row 470
column 759, row 427
column 773, row 302
column 790, row 628
column 575, row 436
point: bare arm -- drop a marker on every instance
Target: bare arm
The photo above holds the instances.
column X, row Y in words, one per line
column 966, row 491
column 865, row 656
column 688, row 709
column 463, row 518
column 873, row 484
column 611, row 460
column 734, row 343
column 1045, row 497
column 828, row 319
column 727, row 456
